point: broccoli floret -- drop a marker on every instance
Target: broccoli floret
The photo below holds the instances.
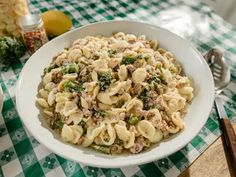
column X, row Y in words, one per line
column 105, row 79
column 71, row 68
column 127, row 60
column 73, row 87
column 11, row 49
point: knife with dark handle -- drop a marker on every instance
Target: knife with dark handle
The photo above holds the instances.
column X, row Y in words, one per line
column 228, row 136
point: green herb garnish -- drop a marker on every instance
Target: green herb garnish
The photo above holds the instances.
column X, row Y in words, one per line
column 143, row 97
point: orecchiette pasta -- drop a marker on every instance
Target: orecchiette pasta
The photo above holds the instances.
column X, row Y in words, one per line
column 49, row 86
column 121, row 131
column 42, row 102
column 104, row 98
column 115, row 93
column 67, row 133
column 120, row 87
column 51, row 97
column 139, row 75
column 158, row 135
column 128, row 144
column 108, row 135
column 47, row 78
column 70, row 108
column 123, row 73
column 48, row 113
column 84, row 103
column 134, row 104
column 70, row 76
column 77, row 132
column 177, row 120
column 146, row 129
column 76, row 117
column 74, row 55
column 43, row 93
column 60, row 107
column 92, row 133
column 100, row 64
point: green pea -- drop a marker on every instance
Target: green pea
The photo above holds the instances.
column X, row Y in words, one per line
column 133, row 120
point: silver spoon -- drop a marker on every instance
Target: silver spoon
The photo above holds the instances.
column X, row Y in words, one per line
column 221, row 75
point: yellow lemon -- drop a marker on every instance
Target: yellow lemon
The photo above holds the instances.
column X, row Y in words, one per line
column 56, row 22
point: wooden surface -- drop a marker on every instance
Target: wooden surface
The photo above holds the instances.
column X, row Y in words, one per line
column 212, row 163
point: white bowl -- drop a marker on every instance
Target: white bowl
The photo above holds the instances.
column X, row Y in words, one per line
column 193, row 63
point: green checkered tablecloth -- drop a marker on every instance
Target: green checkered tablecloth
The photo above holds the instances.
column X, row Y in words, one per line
column 22, row 155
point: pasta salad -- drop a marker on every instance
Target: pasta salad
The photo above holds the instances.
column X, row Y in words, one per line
column 115, row 94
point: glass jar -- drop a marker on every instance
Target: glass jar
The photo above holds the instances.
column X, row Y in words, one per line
column 33, row 32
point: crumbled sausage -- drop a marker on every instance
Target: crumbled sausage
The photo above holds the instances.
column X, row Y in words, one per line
column 56, row 77
column 98, row 140
column 151, row 99
column 116, row 149
column 131, row 68
column 137, row 89
column 136, row 148
column 80, row 140
column 139, row 145
column 140, row 112
column 86, row 112
column 138, row 63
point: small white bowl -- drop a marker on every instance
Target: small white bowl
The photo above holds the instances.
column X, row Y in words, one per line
column 193, row 63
